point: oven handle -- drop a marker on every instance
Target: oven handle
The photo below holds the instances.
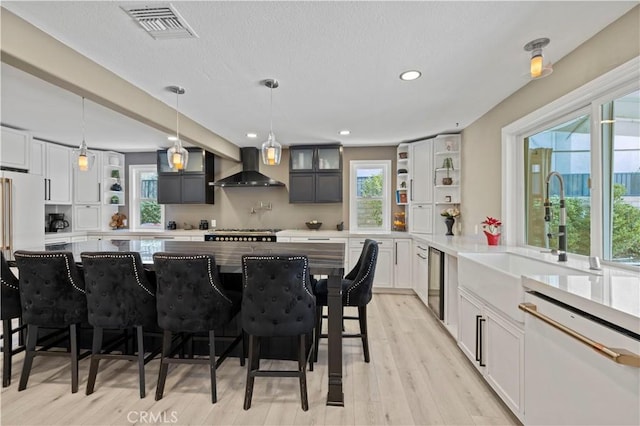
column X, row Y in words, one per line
column 621, row 356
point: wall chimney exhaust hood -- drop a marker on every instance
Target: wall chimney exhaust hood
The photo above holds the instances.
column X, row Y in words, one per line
column 249, row 176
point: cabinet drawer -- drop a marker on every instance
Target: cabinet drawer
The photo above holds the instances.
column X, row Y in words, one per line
column 382, row 242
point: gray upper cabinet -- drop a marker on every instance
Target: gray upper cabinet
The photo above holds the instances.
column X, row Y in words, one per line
column 315, row 174
column 189, row 186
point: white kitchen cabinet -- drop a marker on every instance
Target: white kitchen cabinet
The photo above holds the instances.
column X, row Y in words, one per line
column 402, row 263
column 15, row 149
column 58, row 188
column 37, row 157
column 421, row 180
column 385, row 264
column 86, row 217
column 420, row 266
column 495, row 346
column 421, row 218
column 87, row 185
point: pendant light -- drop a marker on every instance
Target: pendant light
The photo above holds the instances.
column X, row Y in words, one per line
column 537, row 68
column 83, row 159
column 177, row 156
column 271, row 149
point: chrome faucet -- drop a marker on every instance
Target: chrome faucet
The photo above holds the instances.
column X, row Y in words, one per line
column 562, row 227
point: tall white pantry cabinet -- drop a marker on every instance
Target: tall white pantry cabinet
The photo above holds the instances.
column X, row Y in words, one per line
column 433, row 177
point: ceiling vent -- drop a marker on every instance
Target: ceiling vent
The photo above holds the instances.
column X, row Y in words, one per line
column 160, row 20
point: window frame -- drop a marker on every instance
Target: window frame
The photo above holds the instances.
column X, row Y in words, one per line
column 135, row 172
column 354, row 165
column 589, row 97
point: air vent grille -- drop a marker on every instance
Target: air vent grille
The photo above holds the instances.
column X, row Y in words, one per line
column 161, row 21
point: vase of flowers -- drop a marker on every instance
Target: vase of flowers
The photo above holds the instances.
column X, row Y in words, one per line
column 491, row 228
column 450, row 214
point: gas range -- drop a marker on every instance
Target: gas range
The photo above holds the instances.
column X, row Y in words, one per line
column 252, row 235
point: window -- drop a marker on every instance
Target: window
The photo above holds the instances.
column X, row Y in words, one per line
column 370, row 200
column 591, row 136
column 144, row 209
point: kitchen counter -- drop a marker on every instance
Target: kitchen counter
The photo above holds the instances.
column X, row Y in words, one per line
column 338, row 234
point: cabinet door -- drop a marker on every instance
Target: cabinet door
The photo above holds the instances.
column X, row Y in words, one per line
column 86, row 218
column 504, row 353
column 58, row 171
column 421, row 218
column 302, row 187
column 328, row 187
column 86, row 185
column 37, row 158
column 193, row 187
column 469, row 324
column 15, row 149
column 384, row 266
column 301, row 159
column 402, row 264
column 420, row 266
column 169, row 189
column 329, row 158
column 421, row 185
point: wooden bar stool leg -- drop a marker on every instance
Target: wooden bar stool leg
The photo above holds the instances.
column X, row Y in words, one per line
column 141, row 360
column 253, row 365
column 73, row 338
column 318, row 332
column 29, row 354
column 6, row 352
column 164, row 366
column 212, row 366
column 362, row 318
column 96, row 348
column 302, row 367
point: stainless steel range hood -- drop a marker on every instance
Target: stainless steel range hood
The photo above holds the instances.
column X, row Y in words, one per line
column 249, row 176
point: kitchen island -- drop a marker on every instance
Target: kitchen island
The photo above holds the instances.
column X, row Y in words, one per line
column 324, row 259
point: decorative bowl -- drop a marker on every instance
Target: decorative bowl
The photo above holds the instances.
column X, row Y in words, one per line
column 312, row 225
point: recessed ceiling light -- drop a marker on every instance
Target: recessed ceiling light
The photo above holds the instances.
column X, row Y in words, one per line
column 252, row 135
column 410, row 75
column 172, row 138
column 344, row 132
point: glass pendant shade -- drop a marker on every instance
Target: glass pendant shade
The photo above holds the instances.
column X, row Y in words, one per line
column 271, row 151
column 536, row 64
column 83, row 159
column 177, row 156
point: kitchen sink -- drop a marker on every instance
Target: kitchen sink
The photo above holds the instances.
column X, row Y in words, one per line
column 497, row 277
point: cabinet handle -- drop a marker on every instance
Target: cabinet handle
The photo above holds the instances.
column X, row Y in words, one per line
column 396, row 254
column 621, row 356
column 482, row 364
column 317, row 239
column 99, row 192
column 478, row 317
column 411, row 189
column 45, row 189
column 49, row 189
column 434, row 177
column 421, row 248
column 421, row 256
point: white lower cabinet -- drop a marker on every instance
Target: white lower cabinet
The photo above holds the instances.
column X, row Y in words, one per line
column 86, row 217
column 385, row 264
column 420, row 267
column 402, row 264
column 79, row 239
column 495, row 346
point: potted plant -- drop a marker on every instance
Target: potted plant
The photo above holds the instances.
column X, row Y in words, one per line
column 450, row 215
column 447, row 165
column 491, row 228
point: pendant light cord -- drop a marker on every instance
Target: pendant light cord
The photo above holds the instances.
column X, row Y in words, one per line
column 271, row 111
column 177, row 116
column 83, row 123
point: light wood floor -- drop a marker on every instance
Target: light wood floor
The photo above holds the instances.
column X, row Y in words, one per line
column 417, row 375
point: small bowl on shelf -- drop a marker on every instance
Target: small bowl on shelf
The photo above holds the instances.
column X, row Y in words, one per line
column 313, row 225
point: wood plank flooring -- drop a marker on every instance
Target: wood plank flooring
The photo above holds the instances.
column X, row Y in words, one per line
column 417, row 376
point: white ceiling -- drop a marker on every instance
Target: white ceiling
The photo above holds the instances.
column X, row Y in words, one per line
column 337, row 64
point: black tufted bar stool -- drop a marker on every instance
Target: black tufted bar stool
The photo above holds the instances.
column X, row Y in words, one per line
column 52, row 296
column 277, row 302
column 356, row 291
column 120, row 297
column 190, row 300
column 10, row 298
